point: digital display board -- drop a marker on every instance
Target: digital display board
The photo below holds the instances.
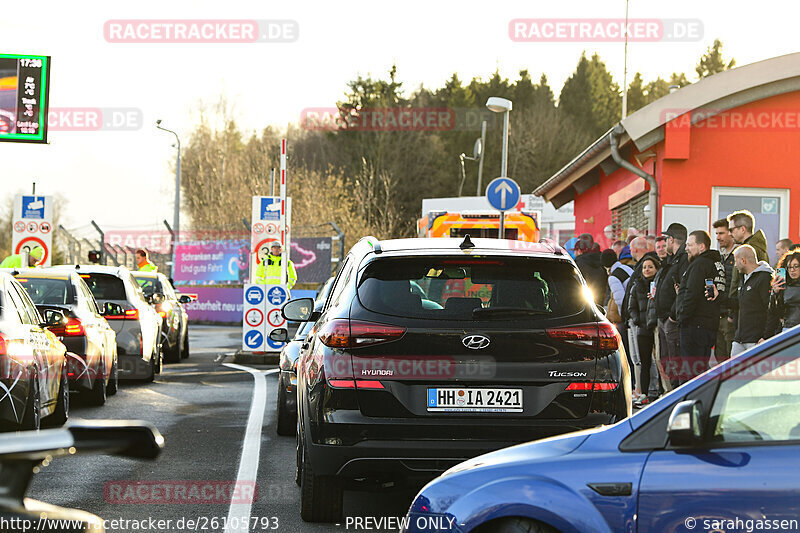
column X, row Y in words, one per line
column 24, row 84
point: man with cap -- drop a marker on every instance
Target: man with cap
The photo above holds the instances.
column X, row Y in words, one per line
column 672, row 269
column 589, row 261
column 15, row 260
column 268, row 271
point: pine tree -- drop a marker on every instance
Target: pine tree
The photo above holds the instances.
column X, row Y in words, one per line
column 712, row 61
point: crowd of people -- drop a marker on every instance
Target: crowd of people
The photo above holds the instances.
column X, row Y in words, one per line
column 681, row 306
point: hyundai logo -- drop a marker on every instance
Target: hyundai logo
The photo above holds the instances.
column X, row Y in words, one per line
column 475, row 342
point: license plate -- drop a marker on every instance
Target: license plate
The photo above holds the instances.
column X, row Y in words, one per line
column 475, row 400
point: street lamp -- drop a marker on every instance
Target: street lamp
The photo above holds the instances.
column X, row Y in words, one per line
column 501, row 105
column 176, row 216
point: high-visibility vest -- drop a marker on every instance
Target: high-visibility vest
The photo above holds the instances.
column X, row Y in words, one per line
column 269, row 272
column 12, row 261
column 148, row 267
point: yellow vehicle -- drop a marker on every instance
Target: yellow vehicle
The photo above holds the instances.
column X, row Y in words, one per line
column 518, row 225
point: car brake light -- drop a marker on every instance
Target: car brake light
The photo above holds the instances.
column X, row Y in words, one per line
column 74, row 328
column 592, row 386
column 600, row 335
column 342, row 383
column 131, row 314
column 3, row 345
column 341, row 333
column 366, row 384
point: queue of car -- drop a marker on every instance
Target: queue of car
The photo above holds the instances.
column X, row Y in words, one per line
column 79, row 328
column 447, row 361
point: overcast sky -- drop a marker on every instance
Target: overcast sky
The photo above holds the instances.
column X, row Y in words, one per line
column 123, row 178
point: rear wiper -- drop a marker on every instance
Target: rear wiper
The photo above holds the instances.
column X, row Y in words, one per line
column 506, row 311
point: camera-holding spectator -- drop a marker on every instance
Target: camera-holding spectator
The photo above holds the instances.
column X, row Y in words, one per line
column 784, row 303
column 722, row 349
column 698, row 304
column 638, row 309
column 753, row 298
column 589, row 260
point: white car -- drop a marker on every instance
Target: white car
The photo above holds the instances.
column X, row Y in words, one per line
column 138, row 328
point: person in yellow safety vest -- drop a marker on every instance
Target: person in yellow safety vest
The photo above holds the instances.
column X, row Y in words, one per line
column 269, row 270
column 143, row 262
column 15, row 260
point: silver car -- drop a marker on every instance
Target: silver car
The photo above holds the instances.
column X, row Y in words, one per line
column 138, row 328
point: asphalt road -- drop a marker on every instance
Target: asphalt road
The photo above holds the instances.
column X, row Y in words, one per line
column 203, row 409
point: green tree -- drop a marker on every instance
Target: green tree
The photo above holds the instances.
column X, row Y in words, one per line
column 591, row 96
column 637, row 97
column 712, row 61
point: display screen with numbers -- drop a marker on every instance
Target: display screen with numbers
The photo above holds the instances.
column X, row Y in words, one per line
column 24, row 82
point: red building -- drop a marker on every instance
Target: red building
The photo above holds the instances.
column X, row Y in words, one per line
column 728, row 142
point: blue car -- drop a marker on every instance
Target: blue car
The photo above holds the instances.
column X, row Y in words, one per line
column 722, row 453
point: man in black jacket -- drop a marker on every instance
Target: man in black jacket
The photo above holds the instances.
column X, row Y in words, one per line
column 669, row 337
column 753, row 297
column 722, row 349
column 589, row 261
column 698, row 311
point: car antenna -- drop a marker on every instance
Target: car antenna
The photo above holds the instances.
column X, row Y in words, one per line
column 466, row 243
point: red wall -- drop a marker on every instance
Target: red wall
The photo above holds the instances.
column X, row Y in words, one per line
column 721, row 154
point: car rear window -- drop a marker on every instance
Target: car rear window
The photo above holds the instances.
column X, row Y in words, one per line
column 459, row 288
column 105, row 286
column 45, row 291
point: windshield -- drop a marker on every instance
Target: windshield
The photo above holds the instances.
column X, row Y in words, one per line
column 471, row 288
column 45, row 291
column 149, row 285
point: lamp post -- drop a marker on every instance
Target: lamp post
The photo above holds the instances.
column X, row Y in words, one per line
column 176, row 216
column 502, row 105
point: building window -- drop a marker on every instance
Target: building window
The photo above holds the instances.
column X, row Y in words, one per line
column 629, row 215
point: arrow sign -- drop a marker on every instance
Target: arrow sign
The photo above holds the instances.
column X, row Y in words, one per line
column 503, row 193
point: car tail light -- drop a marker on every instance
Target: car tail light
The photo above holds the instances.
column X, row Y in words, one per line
column 601, row 335
column 131, row 314
column 73, row 328
column 341, row 333
column 342, row 383
column 604, row 386
column 3, row 345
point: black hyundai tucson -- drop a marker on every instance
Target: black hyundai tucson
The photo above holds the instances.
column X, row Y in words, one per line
column 432, row 351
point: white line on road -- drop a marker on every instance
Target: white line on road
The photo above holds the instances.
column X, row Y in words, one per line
column 239, row 513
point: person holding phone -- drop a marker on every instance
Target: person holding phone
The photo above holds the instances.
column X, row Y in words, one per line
column 784, row 302
column 698, row 304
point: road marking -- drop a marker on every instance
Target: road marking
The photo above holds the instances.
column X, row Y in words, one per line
column 239, row 513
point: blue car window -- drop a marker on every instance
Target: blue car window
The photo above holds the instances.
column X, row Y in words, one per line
column 760, row 401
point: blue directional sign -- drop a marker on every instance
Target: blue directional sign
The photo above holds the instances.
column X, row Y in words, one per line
column 276, row 296
column 254, row 295
column 253, row 339
column 503, row 193
column 275, row 345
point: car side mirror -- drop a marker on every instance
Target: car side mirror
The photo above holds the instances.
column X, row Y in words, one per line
column 300, row 310
column 53, row 318
column 684, row 428
column 112, row 309
column 279, row 335
column 184, row 299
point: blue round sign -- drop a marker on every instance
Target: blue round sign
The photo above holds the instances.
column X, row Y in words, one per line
column 274, row 344
column 503, row 193
column 253, row 339
column 276, row 296
column 254, row 295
